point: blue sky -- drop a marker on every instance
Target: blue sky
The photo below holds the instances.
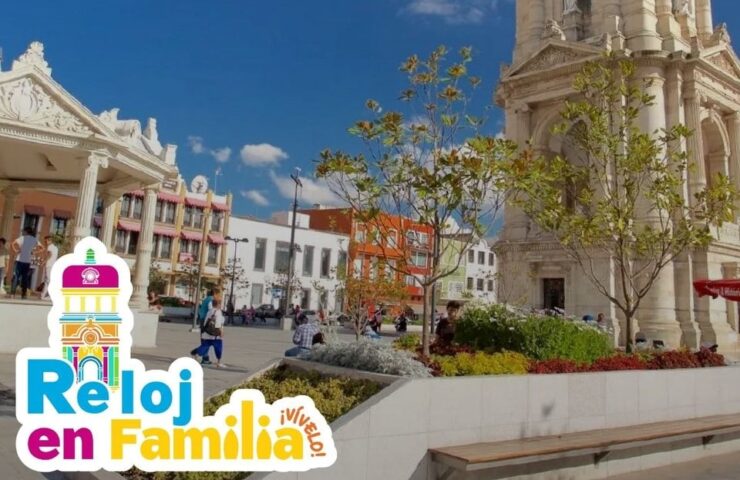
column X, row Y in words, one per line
column 283, row 78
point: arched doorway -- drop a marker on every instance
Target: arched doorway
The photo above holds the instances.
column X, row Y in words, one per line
column 90, row 368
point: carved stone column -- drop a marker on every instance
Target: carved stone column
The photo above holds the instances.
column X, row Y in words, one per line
column 86, row 198
column 733, row 129
column 641, row 27
column 704, row 25
column 144, row 247
column 695, row 144
column 108, row 226
column 657, row 314
column 535, row 27
column 10, row 195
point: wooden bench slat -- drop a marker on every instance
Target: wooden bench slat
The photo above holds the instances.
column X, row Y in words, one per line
column 595, row 440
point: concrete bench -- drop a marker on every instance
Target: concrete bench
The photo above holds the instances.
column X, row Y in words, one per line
column 482, row 456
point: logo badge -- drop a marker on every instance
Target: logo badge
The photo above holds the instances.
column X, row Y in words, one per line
column 84, row 404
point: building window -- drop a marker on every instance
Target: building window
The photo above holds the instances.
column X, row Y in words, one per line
column 212, row 254
column 260, row 245
column 188, row 217
column 470, row 283
column 165, row 247
column 390, row 270
column 324, row 300
column 325, row 262
column 198, row 218
column 133, row 242
column 481, row 258
column 479, row 284
column 58, row 226
column 490, row 259
column 419, row 259
column 120, row 241
column 422, row 239
column 490, row 285
column 471, row 256
column 392, row 240
column 342, row 263
column 31, row 221
column 126, row 206
column 159, row 210
column 169, row 212
column 155, row 245
column 257, row 293
column 308, row 261
column 192, row 247
column 373, row 268
column 360, row 235
column 216, row 221
column 282, row 257
column 306, row 299
column 411, row 280
column 138, row 205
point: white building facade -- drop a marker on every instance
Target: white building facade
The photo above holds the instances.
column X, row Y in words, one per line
column 264, row 259
column 480, row 272
column 694, row 77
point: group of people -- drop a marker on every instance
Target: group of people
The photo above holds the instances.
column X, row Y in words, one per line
column 30, row 254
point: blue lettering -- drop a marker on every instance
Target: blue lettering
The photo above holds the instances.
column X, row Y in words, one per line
column 127, row 381
column 54, row 390
column 186, row 409
column 147, row 397
column 93, row 397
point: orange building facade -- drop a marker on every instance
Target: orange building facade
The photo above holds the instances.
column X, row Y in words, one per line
column 375, row 249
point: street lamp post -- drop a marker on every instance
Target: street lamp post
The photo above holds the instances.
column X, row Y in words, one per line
column 233, row 269
column 291, row 253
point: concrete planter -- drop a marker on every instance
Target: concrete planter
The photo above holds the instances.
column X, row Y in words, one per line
column 387, row 437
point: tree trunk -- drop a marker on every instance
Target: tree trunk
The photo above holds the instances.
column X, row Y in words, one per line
column 628, row 332
column 425, row 335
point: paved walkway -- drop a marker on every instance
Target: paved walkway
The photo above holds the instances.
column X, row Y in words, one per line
column 720, row 467
column 246, row 349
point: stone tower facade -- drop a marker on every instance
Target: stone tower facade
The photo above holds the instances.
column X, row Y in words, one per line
column 695, row 80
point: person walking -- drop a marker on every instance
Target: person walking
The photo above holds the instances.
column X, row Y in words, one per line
column 4, row 261
column 50, row 257
column 212, row 335
column 23, row 248
column 203, row 309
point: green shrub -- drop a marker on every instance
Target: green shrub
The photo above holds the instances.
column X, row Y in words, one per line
column 333, row 396
column 538, row 337
column 407, row 341
column 480, row 363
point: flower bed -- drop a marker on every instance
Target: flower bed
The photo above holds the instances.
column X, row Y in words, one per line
column 668, row 360
column 333, row 396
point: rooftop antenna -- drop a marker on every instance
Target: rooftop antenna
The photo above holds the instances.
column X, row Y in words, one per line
column 1, row 59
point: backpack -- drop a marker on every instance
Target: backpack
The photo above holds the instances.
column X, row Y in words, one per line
column 209, row 326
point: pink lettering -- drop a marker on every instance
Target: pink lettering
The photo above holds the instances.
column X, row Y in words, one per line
column 43, row 443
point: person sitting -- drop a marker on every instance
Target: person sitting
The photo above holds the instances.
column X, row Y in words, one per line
column 303, row 336
column 445, row 331
column 370, row 332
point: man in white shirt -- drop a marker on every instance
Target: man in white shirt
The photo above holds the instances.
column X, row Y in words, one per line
column 212, row 334
column 50, row 257
column 23, row 247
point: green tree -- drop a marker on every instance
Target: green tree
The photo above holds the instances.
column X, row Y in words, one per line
column 157, row 279
column 241, row 281
column 619, row 197
column 437, row 167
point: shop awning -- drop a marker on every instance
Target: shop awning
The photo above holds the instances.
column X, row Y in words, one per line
column 129, row 226
column 222, row 207
column 187, row 235
column 62, row 214
column 169, row 197
column 195, row 202
column 34, row 210
column 728, row 289
column 137, row 193
column 164, row 231
column 216, row 238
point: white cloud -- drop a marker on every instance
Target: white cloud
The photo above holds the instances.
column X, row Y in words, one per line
column 221, row 155
column 256, row 197
column 454, row 12
column 196, row 144
column 312, row 192
column 262, row 155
